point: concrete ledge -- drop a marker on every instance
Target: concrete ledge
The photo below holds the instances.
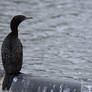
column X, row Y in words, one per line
column 27, row 83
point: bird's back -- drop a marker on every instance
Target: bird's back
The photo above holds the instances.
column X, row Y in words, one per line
column 12, row 54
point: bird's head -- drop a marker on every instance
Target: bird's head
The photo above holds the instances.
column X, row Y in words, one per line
column 17, row 20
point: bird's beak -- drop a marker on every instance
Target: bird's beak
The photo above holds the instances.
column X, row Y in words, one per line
column 29, row 17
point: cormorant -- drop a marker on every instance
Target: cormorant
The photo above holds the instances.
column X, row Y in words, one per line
column 12, row 52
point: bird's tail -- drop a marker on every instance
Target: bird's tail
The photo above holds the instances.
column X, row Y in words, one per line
column 7, row 81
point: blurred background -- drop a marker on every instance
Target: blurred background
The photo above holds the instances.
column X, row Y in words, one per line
column 57, row 41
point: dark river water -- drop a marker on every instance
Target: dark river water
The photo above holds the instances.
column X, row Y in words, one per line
column 57, row 41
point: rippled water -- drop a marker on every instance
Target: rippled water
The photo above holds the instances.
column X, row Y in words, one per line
column 58, row 41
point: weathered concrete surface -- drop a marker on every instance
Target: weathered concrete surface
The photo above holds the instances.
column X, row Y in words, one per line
column 27, row 83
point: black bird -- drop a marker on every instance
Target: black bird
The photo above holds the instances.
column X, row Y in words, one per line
column 12, row 52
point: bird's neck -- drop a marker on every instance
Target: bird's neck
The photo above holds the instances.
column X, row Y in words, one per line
column 14, row 30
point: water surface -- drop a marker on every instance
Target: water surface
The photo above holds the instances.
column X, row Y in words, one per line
column 58, row 41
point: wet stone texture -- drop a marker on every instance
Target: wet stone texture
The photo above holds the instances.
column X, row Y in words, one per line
column 26, row 83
